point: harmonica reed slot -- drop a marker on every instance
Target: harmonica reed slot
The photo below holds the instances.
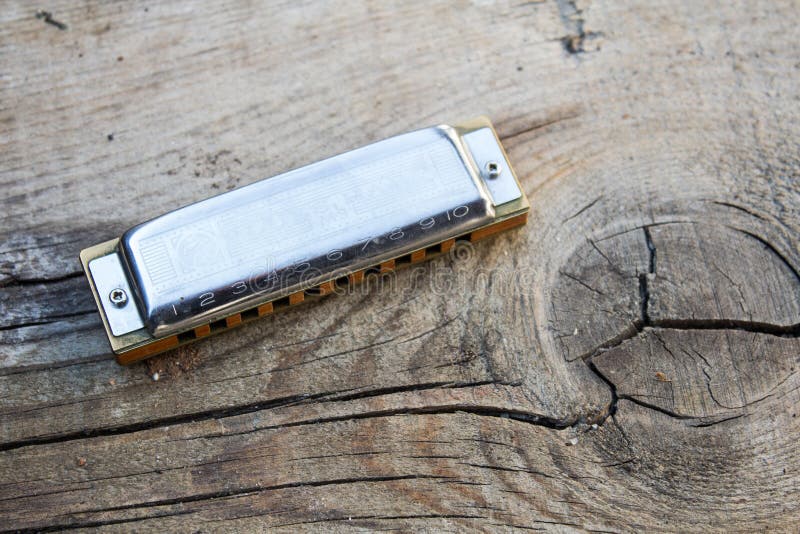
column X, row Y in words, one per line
column 185, row 337
column 280, row 303
column 402, row 260
column 252, row 313
column 322, row 289
column 216, row 326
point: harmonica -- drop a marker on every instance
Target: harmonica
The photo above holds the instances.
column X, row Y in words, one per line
column 244, row 254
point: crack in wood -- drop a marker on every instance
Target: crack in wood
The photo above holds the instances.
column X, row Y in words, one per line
column 508, row 469
column 645, row 323
column 415, row 387
column 166, row 421
column 541, row 124
column 12, row 281
column 791, row 332
column 485, row 411
column 737, row 207
column 217, row 495
column 302, row 399
column 588, row 206
column 772, row 249
column 50, row 320
column 381, row 518
column 581, row 282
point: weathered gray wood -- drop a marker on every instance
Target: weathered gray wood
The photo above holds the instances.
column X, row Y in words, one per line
column 654, row 292
column 702, row 373
column 712, row 272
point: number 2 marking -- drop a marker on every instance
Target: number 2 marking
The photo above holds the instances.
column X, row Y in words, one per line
column 206, row 299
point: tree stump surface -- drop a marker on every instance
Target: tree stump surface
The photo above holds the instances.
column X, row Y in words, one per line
column 627, row 361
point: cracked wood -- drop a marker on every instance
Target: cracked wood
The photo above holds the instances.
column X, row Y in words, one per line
column 627, row 361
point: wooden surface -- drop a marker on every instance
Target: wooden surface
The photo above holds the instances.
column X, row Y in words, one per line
column 639, row 372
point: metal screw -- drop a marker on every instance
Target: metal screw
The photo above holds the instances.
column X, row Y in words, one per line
column 493, row 169
column 118, row 298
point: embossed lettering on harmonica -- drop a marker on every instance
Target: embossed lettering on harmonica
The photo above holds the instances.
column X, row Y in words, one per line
column 211, row 265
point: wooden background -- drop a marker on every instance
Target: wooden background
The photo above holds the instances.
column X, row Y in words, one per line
column 641, row 373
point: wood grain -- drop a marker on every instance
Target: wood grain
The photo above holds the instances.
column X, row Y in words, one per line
column 627, row 361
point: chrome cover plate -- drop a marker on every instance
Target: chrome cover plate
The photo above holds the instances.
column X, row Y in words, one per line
column 108, row 276
column 288, row 233
column 485, row 150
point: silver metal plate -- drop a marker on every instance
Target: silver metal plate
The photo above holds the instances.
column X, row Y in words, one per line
column 293, row 231
column 487, row 152
column 109, row 276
